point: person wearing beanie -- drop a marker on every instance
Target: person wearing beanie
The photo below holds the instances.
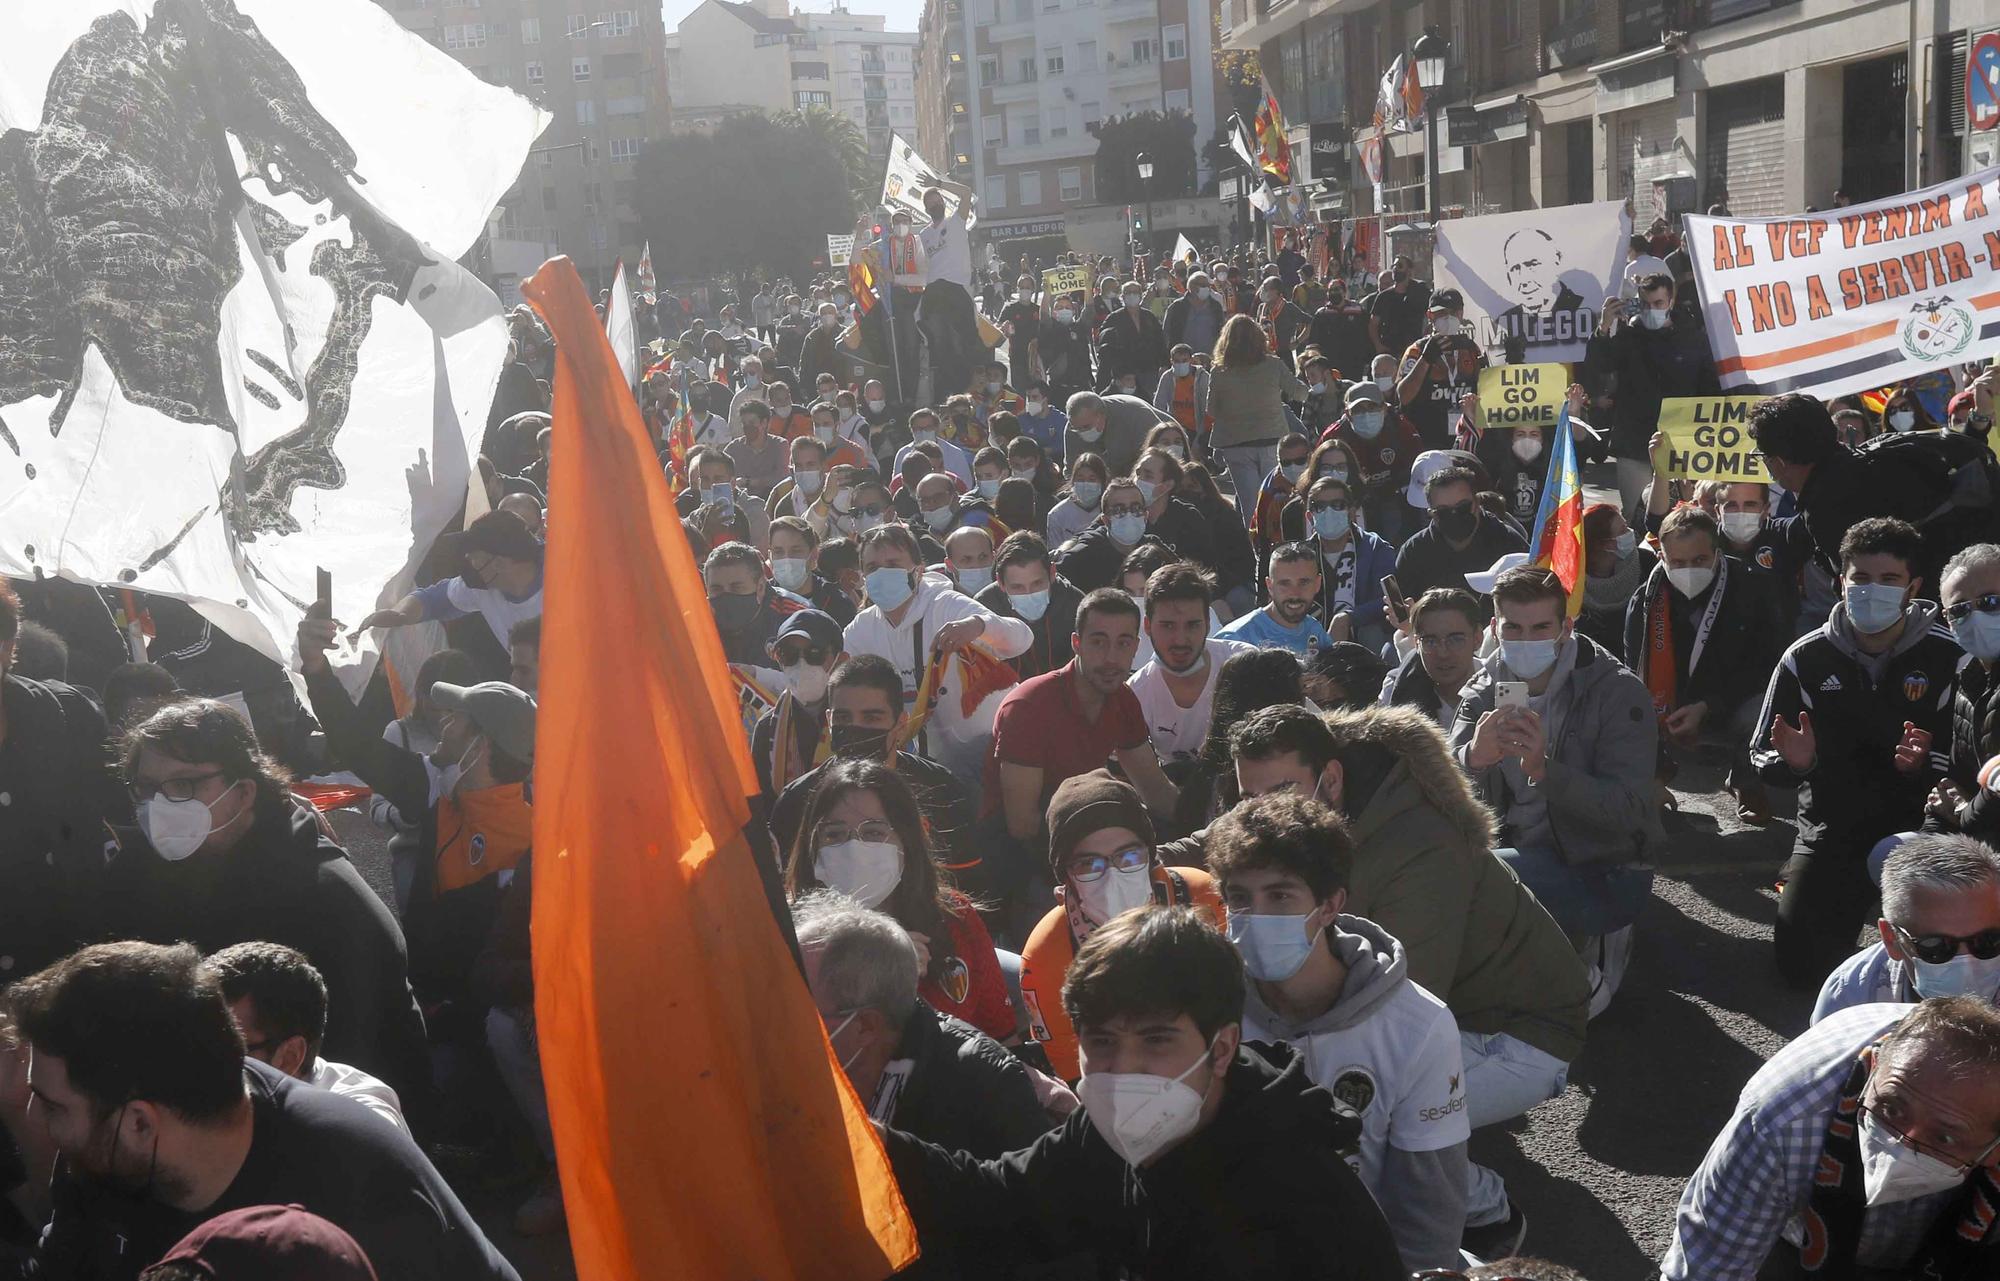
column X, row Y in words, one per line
column 263, row 1241
column 500, row 580
column 1104, row 857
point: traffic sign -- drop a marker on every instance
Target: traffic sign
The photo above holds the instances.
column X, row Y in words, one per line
column 1982, row 82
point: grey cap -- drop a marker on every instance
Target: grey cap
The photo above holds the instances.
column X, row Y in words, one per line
column 1364, row 392
column 499, row 711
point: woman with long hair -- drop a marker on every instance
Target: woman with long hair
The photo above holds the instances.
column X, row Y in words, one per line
column 1247, row 391
column 863, row 835
column 1616, row 566
column 1235, row 559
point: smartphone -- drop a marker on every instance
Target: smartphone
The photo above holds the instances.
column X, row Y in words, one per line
column 1510, row 694
column 322, row 606
column 1392, row 595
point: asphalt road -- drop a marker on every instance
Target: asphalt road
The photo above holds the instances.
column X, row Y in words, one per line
column 1599, row 1170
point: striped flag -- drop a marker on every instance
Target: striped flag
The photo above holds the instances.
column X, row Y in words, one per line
column 1559, row 521
column 1274, row 149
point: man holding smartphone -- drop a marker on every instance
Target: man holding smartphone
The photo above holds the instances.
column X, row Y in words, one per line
column 1566, row 761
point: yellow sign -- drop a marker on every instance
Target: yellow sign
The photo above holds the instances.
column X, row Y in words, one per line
column 1522, row 395
column 1067, row 280
column 1708, row 438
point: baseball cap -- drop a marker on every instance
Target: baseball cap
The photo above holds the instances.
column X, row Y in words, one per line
column 1447, row 300
column 815, row 626
column 1482, row 581
column 498, row 710
column 1363, row 393
column 1427, row 464
column 262, row 1241
column 499, row 533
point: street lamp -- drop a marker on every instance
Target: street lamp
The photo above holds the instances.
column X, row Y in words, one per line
column 1146, row 186
column 1430, row 51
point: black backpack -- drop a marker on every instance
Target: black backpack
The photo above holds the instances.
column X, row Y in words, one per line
column 1956, row 474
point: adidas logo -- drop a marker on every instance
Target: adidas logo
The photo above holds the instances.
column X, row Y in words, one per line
column 1830, row 683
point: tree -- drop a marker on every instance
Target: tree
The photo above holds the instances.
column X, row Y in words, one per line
column 1167, row 140
column 837, row 135
column 751, row 193
column 1242, row 71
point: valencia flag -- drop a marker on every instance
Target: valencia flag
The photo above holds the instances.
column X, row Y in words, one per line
column 1559, row 520
column 703, row 1127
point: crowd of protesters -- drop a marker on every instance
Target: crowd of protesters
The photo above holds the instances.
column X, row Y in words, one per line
column 1195, row 813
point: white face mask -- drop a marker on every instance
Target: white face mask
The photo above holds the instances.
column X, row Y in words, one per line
column 1902, row 419
column 1626, row 544
column 1141, row 1115
column 877, row 406
column 809, row 481
column 1065, row 315
column 1528, row 659
column 1274, row 947
column 1118, row 890
column 1203, row 293
column 1527, row 446
column 1181, row 368
column 866, row 871
column 1654, row 317
column 1384, row 382
column 1741, row 527
column 1964, row 974
column 1979, row 636
column 973, row 579
column 1891, row 1171
column 1446, row 326
column 1692, row 580
column 790, row 573
column 1035, row 408
column 808, row 681
column 177, row 829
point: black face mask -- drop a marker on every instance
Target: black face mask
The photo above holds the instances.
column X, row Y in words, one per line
column 733, row 613
column 472, row 577
column 1457, row 523
column 859, row 743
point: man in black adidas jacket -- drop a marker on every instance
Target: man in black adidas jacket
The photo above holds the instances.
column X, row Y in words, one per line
column 1858, row 718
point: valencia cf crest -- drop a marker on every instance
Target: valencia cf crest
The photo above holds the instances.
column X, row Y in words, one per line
column 1765, row 560
column 1388, row 454
column 1355, row 1086
column 477, row 853
column 956, row 980
column 1914, row 685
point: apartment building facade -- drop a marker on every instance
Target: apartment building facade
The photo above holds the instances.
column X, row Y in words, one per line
column 1008, row 91
column 1767, row 106
column 600, row 72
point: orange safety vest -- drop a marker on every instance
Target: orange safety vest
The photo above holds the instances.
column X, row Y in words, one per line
column 1046, row 959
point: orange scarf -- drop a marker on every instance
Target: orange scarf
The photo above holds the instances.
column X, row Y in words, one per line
column 481, row 833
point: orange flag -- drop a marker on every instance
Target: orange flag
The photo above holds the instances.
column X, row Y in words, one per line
column 703, row 1127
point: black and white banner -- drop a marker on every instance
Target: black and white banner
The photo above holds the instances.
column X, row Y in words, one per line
column 1541, row 275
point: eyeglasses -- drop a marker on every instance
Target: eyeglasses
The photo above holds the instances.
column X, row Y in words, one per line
column 1465, row 508
column 1950, row 1158
column 870, row 512
column 1987, row 604
column 1936, row 949
column 1125, row 511
column 1450, row 640
column 1330, row 505
column 875, row 829
column 174, row 789
column 1085, row 868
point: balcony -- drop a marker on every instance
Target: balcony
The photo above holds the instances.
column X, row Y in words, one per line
column 1001, row 33
column 872, row 67
column 1148, row 11
column 1123, row 73
column 1076, row 146
column 1015, row 92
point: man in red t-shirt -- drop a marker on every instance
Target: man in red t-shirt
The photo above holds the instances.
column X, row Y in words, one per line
column 1070, row 721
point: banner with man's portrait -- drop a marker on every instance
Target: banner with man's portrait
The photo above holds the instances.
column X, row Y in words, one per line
column 1538, row 278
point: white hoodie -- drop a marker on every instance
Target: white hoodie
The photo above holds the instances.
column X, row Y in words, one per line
column 953, row 739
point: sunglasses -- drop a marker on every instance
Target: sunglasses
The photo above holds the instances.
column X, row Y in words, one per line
column 792, row 654
column 1936, row 949
column 1987, row 604
column 1331, row 505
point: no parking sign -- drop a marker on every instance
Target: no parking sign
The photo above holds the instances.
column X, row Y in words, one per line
column 1982, row 82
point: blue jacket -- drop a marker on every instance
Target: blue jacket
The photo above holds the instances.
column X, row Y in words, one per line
column 1374, row 560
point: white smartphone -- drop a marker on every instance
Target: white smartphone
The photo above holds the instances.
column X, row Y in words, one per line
column 1510, row 694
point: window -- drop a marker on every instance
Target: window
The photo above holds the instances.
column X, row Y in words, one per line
column 1509, row 21
column 623, row 64
column 624, row 150
column 1086, row 55
column 586, row 111
column 1052, row 59
column 1069, row 184
column 989, row 70
column 1093, row 113
column 1031, row 189
column 627, row 106
column 619, row 22
column 992, row 129
column 534, row 73
column 1142, row 50
column 996, row 191
column 465, row 35
column 1058, row 122
column 548, row 159
column 531, row 31
column 1174, row 40
column 578, row 28
column 1031, row 133
column 579, row 69
column 1177, row 100
column 1027, row 68
column 548, row 199
column 812, row 98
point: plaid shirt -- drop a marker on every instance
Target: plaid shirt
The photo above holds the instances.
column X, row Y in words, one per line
column 1755, row 1180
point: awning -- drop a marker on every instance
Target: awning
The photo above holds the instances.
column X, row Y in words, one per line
column 1499, row 120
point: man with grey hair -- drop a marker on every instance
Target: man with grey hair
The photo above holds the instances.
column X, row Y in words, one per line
column 1113, row 427
column 1867, row 1147
column 1970, row 591
column 919, row 1070
column 1940, row 928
